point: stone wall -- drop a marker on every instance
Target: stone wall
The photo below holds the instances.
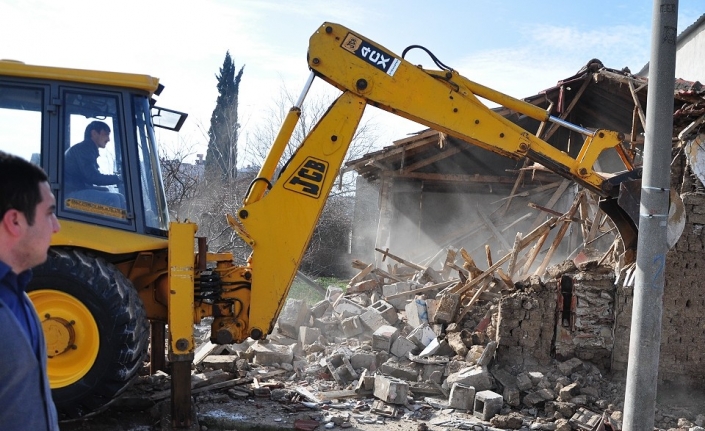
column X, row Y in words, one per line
column 682, row 356
column 525, row 325
column 588, row 335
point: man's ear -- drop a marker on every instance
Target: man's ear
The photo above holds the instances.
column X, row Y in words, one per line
column 13, row 222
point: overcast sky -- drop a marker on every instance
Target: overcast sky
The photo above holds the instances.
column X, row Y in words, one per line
column 515, row 46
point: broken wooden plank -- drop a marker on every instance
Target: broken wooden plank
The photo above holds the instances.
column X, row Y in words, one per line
column 222, row 385
column 509, row 283
column 346, row 393
column 203, row 350
column 515, row 253
column 469, row 264
column 307, row 394
column 552, row 201
column 559, row 236
column 475, row 281
column 532, row 255
column 386, row 253
column 422, row 289
column 450, row 260
column 552, row 212
column 584, row 207
column 500, row 238
column 362, row 274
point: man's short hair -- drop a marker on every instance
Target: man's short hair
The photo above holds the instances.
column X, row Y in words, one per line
column 98, row 126
column 19, row 186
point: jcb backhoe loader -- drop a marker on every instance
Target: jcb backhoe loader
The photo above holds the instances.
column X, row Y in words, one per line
column 113, row 269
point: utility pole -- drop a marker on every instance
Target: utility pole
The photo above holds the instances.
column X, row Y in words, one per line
column 645, row 337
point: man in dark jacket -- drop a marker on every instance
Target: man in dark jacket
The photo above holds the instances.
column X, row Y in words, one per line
column 83, row 180
column 27, row 222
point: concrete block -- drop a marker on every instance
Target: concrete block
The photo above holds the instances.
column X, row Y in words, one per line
column 269, row 354
column 395, row 288
column 487, row 405
column 319, row 308
column 308, row 335
column 221, row 362
column 372, row 319
column 384, row 337
column 386, row 310
column 477, row 377
column 446, row 308
column 352, row 326
column 487, row 354
column 421, row 336
column 401, row 347
column 345, row 308
column 390, row 290
column 327, row 324
column 333, row 293
column 401, row 369
column 462, row 397
column 390, row 390
column 366, row 360
column 340, row 368
column 432, row 348
column 416, row 313
column 432, row 372
column 294, row 314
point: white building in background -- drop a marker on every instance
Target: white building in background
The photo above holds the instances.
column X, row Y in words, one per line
column 690, row 53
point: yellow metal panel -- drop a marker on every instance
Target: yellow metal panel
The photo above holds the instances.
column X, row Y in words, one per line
column 181, row 286
column 104, row 239
column 113, row 79
column 281, row 223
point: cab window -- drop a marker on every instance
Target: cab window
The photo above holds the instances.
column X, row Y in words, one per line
column 93, row 168
column 21, row 121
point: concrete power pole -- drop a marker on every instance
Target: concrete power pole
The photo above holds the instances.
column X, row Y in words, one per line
column 645, row 338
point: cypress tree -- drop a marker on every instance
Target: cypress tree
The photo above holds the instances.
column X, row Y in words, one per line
column 221, row 156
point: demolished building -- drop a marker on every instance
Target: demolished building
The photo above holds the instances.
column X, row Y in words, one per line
column 410, row 192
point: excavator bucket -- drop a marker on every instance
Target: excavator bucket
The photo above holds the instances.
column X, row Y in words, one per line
column 624, row 213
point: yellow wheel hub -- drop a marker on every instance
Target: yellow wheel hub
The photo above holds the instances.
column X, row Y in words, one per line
column 71, row 334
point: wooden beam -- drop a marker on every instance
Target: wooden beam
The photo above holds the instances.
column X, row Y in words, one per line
column 637, row 104
column 427, row 161
column 559, row 236
column 489, row 179
column 565, row 113
column 494, row 230
column 552, row 201
column 386, row 253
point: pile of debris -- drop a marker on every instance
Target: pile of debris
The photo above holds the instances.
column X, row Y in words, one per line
column 415, row 350
column 457, row 347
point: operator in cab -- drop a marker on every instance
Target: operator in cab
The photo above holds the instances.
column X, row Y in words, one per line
column 82, row 177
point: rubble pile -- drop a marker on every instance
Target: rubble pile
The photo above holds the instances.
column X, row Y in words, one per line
column 415, row 345
column 416, row 350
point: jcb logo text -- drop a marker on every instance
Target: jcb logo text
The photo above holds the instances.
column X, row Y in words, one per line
column 308, row 178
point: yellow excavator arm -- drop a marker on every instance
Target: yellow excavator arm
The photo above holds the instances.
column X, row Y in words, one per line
column 279, row 216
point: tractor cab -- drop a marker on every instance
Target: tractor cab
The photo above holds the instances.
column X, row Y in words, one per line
column 93, row 133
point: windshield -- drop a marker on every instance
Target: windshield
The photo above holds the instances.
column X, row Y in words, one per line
column 153, row 196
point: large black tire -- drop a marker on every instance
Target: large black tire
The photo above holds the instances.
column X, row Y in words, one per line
column 122, row 326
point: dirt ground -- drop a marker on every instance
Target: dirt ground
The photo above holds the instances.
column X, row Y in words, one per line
column 217, row 411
